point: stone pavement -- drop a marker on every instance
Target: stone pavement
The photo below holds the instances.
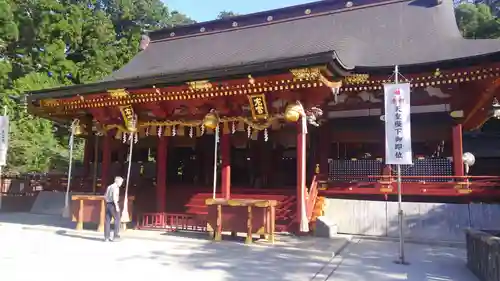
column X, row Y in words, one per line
column 57, row 253
column 368, row 260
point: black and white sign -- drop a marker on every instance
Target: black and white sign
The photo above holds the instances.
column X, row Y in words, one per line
column 397, row 124
column 4, row 139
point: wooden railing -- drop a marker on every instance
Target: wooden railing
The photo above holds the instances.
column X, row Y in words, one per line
column 484, row 186
column 171, row 222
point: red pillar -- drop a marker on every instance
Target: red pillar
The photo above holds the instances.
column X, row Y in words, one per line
column 87, row 154
column 456, row 138
column 225, row 148
column 106, row 161
column 301, row 171
column 161, row 174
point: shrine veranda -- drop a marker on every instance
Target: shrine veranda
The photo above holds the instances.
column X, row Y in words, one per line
column 251, row 74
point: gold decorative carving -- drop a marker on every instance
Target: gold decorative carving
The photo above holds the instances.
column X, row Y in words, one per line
column 199, row 85
column 258, row 106
column 251, row 81
column 312, row 73
column 118, row 93
column 128, row 117
column 357, row 78
column 49, row 103
column 330, row 84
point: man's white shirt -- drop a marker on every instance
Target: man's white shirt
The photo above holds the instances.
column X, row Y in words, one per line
column 112, row 194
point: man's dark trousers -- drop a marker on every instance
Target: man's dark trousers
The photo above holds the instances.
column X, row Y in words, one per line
column 111, row 212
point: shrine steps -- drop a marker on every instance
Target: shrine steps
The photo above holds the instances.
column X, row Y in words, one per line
column 190, row 202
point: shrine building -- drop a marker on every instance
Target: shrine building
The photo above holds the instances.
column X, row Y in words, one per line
column 253, row 79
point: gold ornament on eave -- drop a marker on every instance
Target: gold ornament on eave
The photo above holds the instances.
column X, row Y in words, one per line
column 76, row 127
column 211, row 120
column 293, row 112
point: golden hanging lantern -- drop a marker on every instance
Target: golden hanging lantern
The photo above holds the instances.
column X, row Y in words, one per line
column 78, row 130
column 211, row 120
column 75, row 126
column 293, row 112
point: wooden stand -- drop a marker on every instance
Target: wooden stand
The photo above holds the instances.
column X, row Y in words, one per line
column 241, row 215
column 92, row 208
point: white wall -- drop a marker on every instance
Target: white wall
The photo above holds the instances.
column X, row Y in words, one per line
column 423, row 221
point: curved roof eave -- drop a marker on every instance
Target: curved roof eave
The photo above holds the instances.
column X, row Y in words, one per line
column 262, row 68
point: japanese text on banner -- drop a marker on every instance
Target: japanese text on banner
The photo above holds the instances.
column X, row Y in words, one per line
column 397, row 124
column 4, row 139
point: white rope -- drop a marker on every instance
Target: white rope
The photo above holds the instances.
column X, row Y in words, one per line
column 215, row 160
column 304, row 222
column 125, row 217
column 66, row 210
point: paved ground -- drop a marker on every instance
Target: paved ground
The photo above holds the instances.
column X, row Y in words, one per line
column 60, row 254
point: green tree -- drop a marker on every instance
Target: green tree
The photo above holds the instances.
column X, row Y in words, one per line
column 49, row 43
column 476, row 21
column 226, row 15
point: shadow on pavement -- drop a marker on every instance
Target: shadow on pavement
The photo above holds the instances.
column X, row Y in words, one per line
column 291, row 258
column 71, row 235
column 29, row 219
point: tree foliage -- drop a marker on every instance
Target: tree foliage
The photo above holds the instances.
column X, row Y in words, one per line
column 50, row 43
column 226, row 15
column 477, row 21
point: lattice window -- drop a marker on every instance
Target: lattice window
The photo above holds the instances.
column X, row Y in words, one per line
column 354, row 170
column 426, row 167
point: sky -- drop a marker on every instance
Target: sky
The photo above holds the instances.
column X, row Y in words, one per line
column 204, row 10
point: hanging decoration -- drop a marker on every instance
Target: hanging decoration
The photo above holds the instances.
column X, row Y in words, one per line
column 198, row 128
column 180, row 131
column 211, row 120
column 258, row 106
column 128, row 115
column 293, row 112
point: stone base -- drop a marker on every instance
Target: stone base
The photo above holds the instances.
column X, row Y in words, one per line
column 325, row 228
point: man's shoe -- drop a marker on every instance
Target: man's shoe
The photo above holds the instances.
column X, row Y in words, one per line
column 107, row 240
column 116, row 238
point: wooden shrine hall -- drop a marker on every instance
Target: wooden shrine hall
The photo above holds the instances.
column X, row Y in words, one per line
column 295, row 98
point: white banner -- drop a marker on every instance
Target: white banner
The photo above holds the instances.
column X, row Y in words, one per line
column 4, row 139
column 397, row 124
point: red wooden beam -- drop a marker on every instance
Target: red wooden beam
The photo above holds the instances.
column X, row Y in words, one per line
column 478, row 112
column 412, row 188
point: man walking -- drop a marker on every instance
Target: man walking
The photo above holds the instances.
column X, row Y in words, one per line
column 112, row 196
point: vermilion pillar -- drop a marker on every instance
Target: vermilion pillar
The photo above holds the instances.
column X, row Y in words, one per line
column 301, row 171
column 456, row 138
column 225, row 148
column 106, row 160
column 161, row 174
column 87, row 153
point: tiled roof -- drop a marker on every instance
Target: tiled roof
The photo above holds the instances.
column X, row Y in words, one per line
column 371, row 35
column 357, row 34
